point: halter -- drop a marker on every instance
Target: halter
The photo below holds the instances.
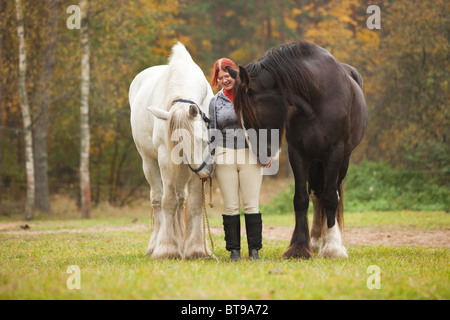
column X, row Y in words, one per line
column 202, row 114
column 207, row 121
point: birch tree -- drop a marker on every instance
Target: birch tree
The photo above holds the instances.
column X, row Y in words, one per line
column 29, row 163
column 85, row 187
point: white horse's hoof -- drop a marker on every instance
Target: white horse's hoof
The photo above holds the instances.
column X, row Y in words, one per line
column 165, row 255
column 195, row 250
column 196, row 254
column 151, row 245
column 166, row 252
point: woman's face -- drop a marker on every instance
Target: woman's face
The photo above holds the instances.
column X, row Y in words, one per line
column 225, row 80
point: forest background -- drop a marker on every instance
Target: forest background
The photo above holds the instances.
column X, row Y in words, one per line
column 404, row 64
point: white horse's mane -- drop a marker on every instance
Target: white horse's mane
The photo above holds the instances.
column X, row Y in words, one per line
column 182, row 73
column 179, row 52
column 180, row 66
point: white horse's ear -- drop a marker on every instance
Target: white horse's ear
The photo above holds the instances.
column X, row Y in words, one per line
column 193, row 111
column 159, row 113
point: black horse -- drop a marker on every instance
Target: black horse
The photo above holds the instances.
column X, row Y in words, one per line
column 318, row 104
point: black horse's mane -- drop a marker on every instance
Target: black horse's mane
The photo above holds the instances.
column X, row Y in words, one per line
column 286, row 64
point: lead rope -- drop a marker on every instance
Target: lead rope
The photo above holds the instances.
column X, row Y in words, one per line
column 210, row 193
column 245, row 131
column 206, row 220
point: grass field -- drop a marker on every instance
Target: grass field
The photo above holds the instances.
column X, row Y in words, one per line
column 109, row 254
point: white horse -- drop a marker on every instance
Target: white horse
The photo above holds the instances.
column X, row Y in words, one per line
column 168, row 102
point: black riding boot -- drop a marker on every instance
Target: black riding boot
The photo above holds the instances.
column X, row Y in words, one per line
column 232, row 228
column 253, row 225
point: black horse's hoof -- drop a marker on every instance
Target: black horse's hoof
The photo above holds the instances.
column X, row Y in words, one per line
column 298, row 251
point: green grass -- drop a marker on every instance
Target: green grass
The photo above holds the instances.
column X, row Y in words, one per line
column 113, row 266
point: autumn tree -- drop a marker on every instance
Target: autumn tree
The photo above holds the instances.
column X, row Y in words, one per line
column 410, row 113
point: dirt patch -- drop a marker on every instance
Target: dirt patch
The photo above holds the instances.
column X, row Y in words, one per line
column 371, row 236
column 13, row 228
column 397, row 237
column 386, row 236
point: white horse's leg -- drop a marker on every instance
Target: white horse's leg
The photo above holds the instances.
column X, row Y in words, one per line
column 317, row 223
column 167, row 243
column 153, row 176
column 184, row 175
column 194, row 245
column 332, row 246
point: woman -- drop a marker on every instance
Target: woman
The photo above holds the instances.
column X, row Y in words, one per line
column 237, row 170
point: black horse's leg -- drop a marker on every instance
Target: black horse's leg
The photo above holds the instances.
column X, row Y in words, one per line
column 315, row 190
column 299, row 247
column 332, row 246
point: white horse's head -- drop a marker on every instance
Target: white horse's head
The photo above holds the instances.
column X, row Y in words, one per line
column 187, row 95
column 187, row 134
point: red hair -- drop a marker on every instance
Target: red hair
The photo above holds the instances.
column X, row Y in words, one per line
column 220, row 65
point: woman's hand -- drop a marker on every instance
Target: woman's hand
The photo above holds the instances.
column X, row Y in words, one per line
column 267, row 165
column 277, row 156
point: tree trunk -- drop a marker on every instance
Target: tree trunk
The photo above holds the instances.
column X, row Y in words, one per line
column 42, row 101
column 85, row 187
column 29, row 163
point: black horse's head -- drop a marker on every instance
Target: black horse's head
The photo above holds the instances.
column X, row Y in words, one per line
column 258, row 104
column 266, row 90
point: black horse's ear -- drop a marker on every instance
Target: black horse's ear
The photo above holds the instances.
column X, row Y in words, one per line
column 245, row 79
column 233, row 72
